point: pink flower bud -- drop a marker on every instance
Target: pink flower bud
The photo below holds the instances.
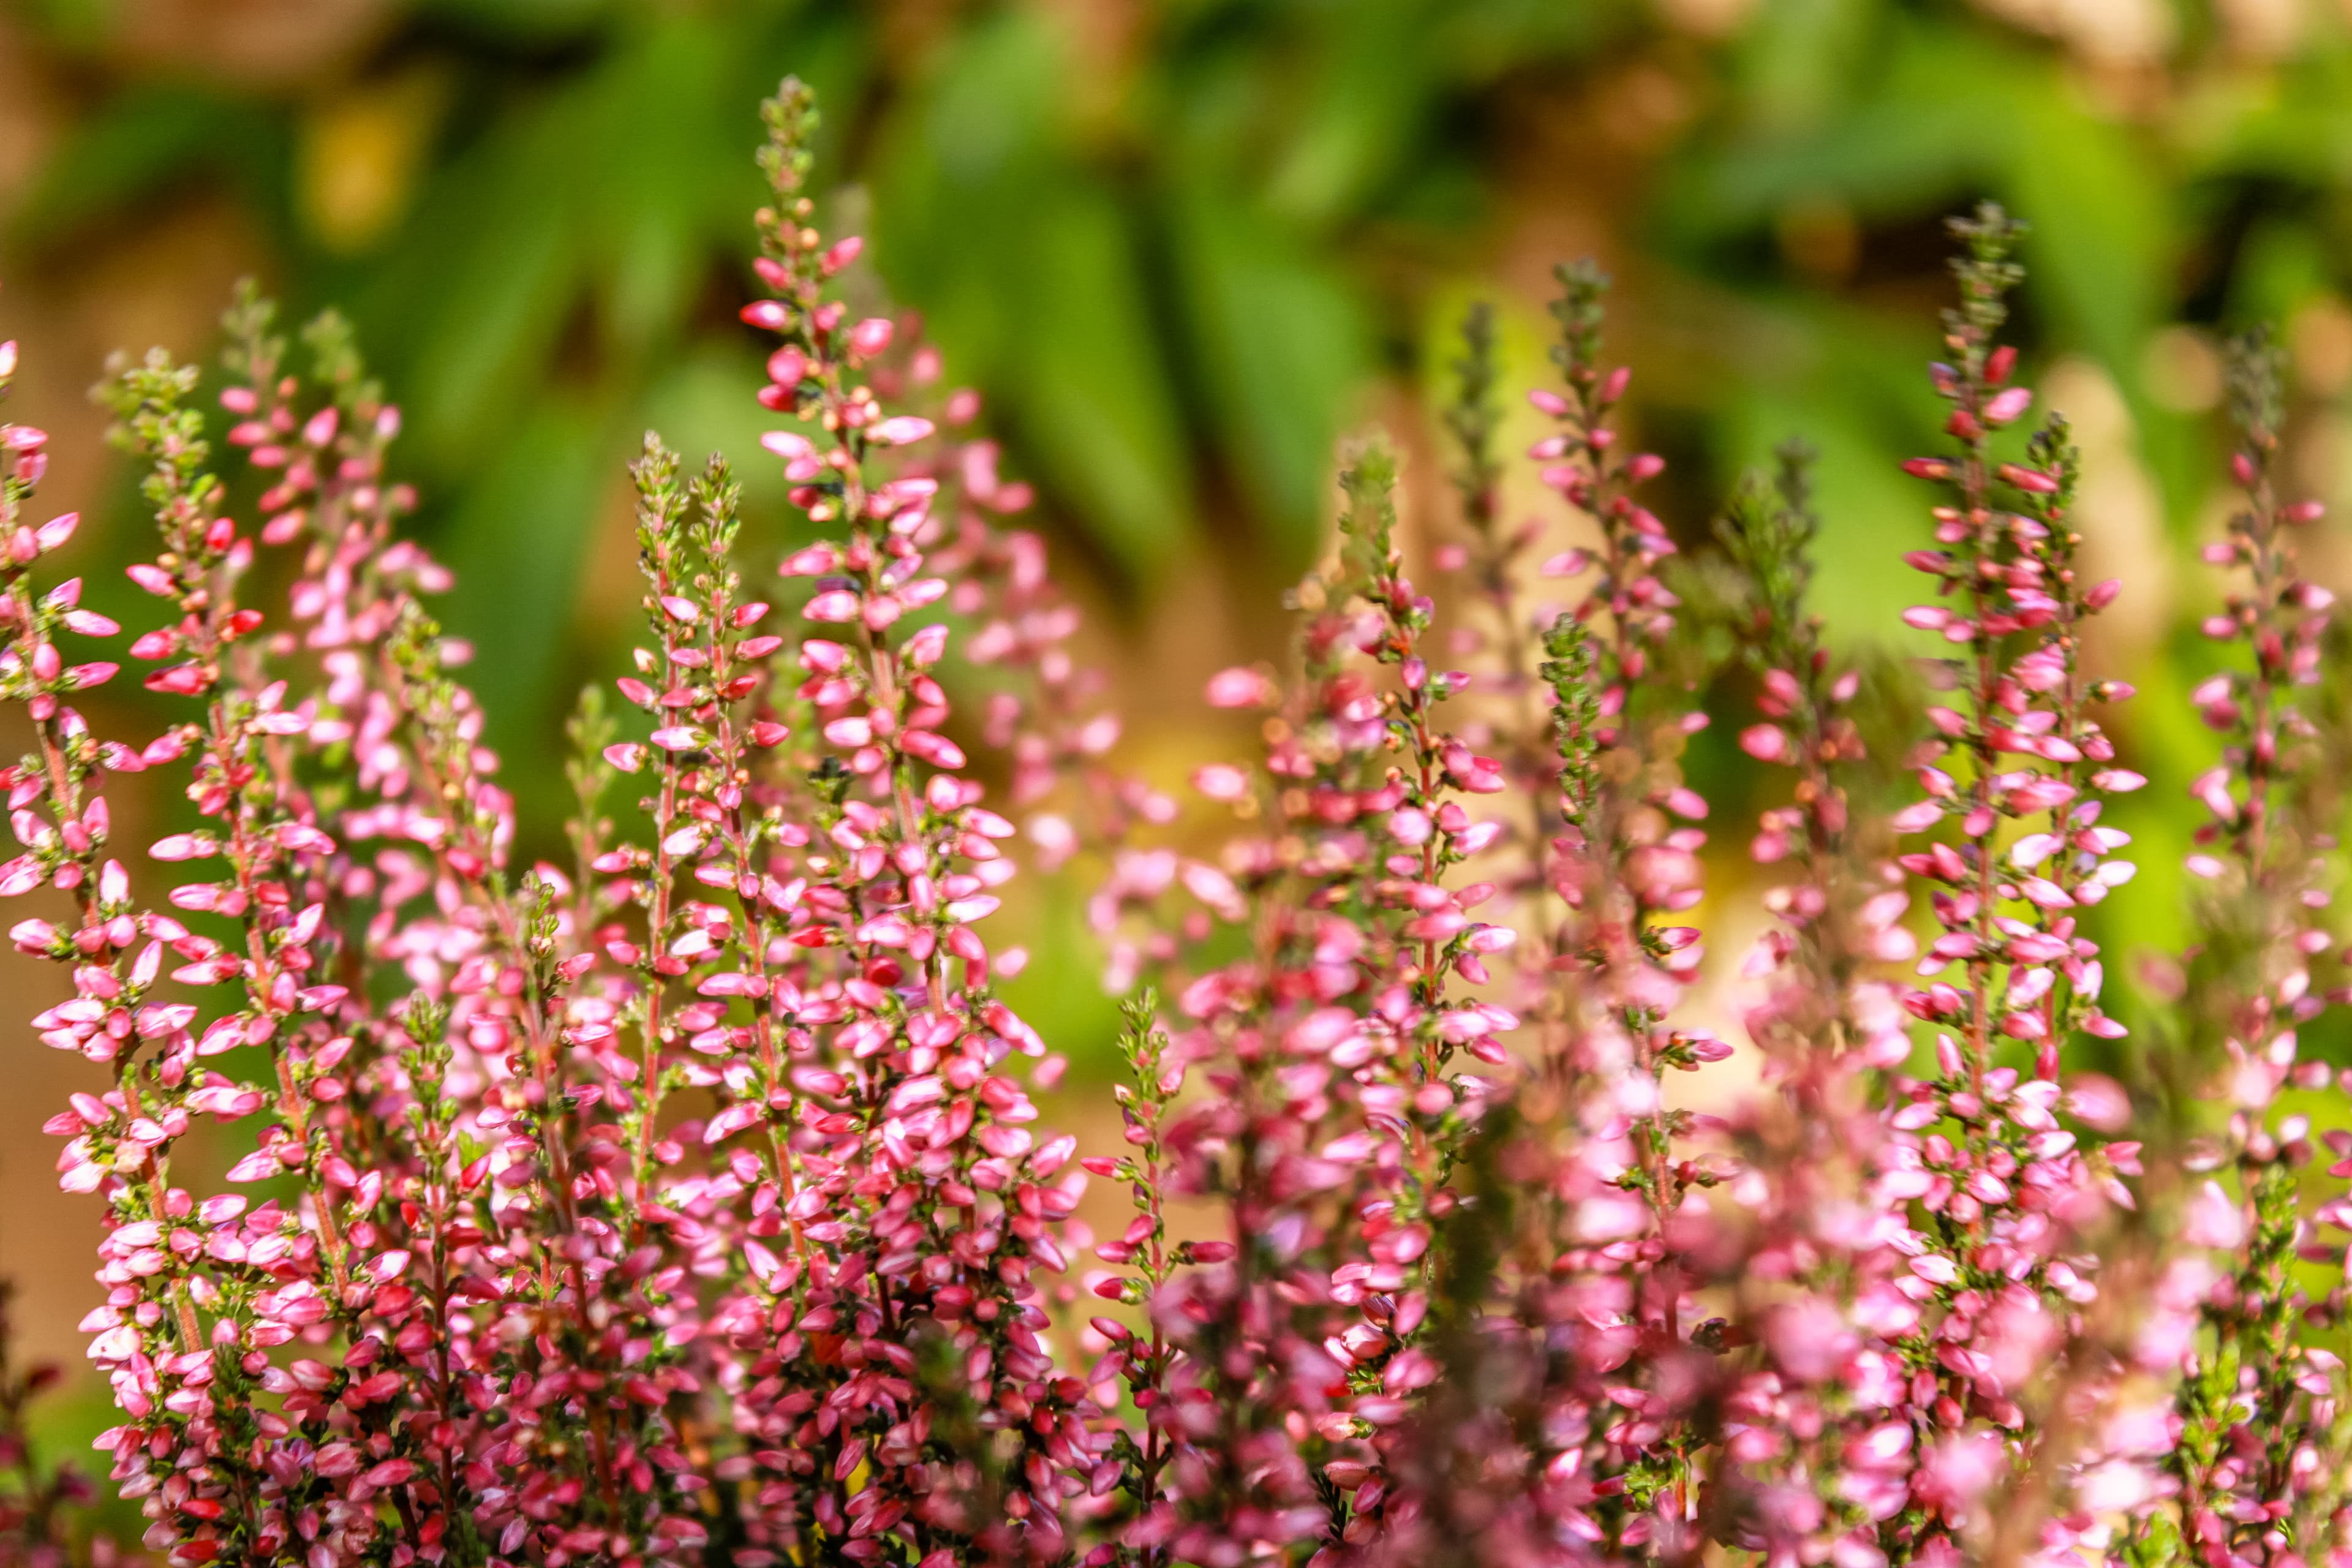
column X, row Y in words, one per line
column 842, row 253
column 182, row 681
column 899, row 431
column 2005, row 406
column 2214, row 1219
column 1240, row 687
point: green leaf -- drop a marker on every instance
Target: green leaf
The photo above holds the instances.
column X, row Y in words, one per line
column 666, row 178
column 516, row 542
column 1922, row 119
column 471, row 302
column 2101, row 245
column 1091, row 395
column 1361, row 109
column 1026, row 265
column 1060, row 994
column 2280, row 266
column 1799, row 55
column 144, row 139
column 531, row 22
column 1281, row 347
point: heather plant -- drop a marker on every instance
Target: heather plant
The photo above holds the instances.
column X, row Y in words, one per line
column 493, row 1307
column 2262, row 1448
column 686, row 1203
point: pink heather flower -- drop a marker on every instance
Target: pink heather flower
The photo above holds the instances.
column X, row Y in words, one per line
column 2213, row 1219
column 2273, row 800
column 1239, row 688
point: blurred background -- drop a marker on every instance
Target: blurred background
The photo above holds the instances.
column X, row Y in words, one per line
column 1183, row 246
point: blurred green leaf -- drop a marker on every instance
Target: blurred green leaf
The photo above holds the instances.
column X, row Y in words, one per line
column 538, row 22
column 516, row 542
column 1092, row 399
column 2280, row 266
column 473, row 299
column 1923, row 117
column 1031, row 268
column 136, row 145
column 1060, row 992
column 1362, row 108
column 664, row 130
column 1281, row 352
column 2100, row 245
column 1797, row 57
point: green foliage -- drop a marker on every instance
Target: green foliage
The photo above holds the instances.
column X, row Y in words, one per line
column 1580, row 309
column 1370, row 521
column 149, row 400
column 1987, row 269
column 1473, row 419
column 1570, row 670
column 1766, row 532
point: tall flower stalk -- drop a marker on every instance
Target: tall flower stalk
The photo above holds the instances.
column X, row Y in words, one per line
column 1819, row 1455
column 2259, row 1464
column 2011, row 1196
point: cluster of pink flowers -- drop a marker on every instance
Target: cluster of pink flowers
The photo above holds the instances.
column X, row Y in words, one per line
column 2264, row 1438
column 680, row 1202
column 685, row 1202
